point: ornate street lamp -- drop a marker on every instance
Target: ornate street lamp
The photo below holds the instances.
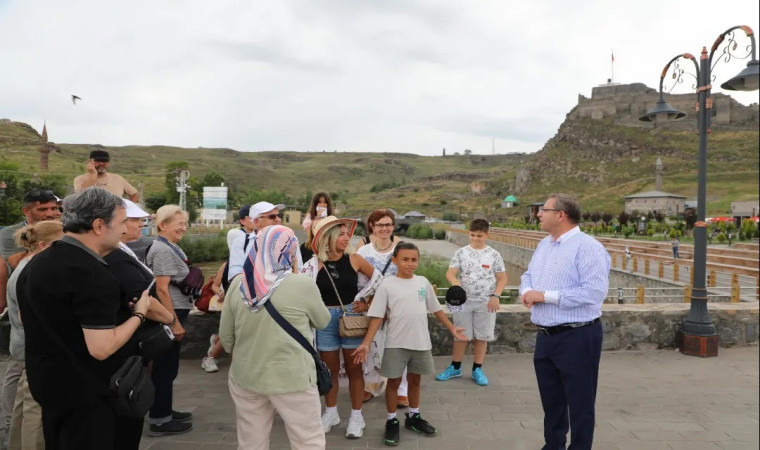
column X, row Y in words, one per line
column 697, row 335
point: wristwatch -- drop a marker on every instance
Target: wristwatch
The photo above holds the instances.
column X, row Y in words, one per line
column 494, row 295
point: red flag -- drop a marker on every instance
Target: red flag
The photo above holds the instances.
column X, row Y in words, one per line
column 613, row 57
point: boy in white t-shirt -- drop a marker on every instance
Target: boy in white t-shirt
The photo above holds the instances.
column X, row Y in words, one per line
column 483, row 277
column 405, row 299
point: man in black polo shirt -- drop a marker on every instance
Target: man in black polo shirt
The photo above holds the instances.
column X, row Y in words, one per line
column 77, row 326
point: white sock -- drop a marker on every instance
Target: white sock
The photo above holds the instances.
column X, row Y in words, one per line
column 414, row 411
column 356, row 413
column 391, row 416
column 332, row 410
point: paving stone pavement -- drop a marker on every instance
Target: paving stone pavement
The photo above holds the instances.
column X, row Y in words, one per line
column 646, row 400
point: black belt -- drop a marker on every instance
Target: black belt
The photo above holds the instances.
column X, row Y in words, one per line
column 564, row 327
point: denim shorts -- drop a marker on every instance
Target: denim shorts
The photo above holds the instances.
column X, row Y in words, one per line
column 329, row 339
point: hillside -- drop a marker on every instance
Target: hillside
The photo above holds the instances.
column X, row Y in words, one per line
column 428, row 184
column 600, row 160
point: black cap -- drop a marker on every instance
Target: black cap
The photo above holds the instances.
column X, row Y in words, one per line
column 456, row 296
column 39, row 196
column 244, row 212
column 100, row 156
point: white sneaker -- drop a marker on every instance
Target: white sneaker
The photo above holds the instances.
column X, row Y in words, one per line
column 355, row 428
column 209, row 364
column 330, row 420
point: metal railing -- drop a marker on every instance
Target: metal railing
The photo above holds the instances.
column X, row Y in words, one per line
column 639, row 295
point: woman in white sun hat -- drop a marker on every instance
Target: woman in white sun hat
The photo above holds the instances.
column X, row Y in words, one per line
column 335, row 269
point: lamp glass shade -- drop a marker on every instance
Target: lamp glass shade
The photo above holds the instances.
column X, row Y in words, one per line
column 662, row 111
column 747, row 80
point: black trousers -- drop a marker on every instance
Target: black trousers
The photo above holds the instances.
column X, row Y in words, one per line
column 165, row 370
column 567, row 370
column 94, row 427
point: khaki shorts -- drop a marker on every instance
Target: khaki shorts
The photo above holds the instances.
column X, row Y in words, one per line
column 395, row 360
column 478, row 323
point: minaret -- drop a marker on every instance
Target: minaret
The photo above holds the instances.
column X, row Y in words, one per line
column 44, row 148
column 658, row 178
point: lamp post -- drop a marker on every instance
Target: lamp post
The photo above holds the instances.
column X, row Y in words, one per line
column 697, row 335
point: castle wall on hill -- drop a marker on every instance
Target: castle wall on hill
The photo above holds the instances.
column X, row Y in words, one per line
column 627, row 102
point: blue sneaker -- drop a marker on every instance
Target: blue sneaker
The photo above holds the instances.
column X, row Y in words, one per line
column 449, row 373
column 479, row 377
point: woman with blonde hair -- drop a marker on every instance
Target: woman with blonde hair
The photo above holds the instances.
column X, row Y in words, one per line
column 26, row 420
column 170, row 266
column 335, row 269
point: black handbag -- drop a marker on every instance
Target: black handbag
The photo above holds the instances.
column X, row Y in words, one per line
column 134, row 392
column 153, row 340
column 324, row 377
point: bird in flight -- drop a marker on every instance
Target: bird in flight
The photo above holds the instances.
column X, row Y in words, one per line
column 74, row 99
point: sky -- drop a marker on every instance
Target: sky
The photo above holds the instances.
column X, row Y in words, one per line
column 357, row 75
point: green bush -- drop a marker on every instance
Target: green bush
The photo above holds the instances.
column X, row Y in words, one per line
column 434, row 269
column 420, row 231
column 440, row 234
column 205, row 248
column 721, row 238
column 450, row 216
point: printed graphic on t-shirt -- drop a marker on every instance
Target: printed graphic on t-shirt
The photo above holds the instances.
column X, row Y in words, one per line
column 477, row 273
column 421, row 294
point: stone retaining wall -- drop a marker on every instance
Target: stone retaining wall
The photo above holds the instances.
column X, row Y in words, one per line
column 626, row 327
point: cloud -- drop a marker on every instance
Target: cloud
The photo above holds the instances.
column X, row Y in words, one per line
column 411, row 76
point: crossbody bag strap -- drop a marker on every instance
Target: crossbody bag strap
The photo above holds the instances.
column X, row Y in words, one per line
column 176, row 250
column 342, row 305
column 290, row 329
column 386, row 266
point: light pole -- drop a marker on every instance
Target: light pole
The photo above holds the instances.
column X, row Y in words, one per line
column 697, row 335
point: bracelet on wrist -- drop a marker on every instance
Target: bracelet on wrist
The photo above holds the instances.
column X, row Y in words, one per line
column 140, row 316
column 173, row 322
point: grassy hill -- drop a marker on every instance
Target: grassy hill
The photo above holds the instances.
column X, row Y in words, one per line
column 598, row 160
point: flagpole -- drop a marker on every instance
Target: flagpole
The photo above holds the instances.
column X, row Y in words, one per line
column 612, row 67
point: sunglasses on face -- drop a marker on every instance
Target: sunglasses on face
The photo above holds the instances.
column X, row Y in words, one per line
column 271, row 216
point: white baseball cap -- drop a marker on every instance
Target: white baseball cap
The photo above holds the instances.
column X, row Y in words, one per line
column 263, row 207
column 134, row 211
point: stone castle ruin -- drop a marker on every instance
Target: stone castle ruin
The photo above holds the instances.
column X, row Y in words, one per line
column 627, row 102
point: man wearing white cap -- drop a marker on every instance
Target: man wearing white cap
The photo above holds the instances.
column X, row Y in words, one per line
column 263, row 214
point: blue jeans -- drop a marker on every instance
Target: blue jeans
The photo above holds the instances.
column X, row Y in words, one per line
column 329, row 339
column 165, row 369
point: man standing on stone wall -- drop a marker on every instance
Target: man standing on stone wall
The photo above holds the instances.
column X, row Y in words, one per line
column 564, row 287
column 97, row 175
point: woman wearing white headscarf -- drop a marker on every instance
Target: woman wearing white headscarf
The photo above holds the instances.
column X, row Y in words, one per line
column 270, row 371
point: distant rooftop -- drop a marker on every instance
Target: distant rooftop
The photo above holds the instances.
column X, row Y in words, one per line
column 654, row 194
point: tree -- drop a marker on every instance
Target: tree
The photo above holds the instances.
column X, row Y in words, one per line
column 153, row 202
column 468, row 152
column 606, row 218
column 623, row 218
column 690, row 217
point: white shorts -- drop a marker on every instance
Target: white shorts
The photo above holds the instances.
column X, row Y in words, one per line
column 478, row 323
